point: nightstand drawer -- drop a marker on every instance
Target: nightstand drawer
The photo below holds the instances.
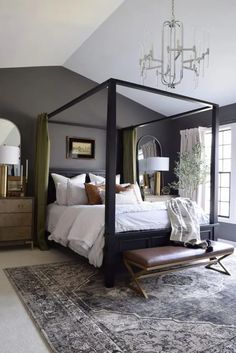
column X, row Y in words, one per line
column 15, row 205
column 15, row 233
column 15, row 219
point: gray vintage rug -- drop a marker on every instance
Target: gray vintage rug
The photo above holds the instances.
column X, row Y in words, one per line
column 190, row 311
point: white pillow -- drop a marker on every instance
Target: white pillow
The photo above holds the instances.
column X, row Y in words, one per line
column 61, row 191
column 78, row 179
column 137, row 191
column 76, row 194
column 97, row 179
column 126, row 198
column 123, row 197
column 61, row 194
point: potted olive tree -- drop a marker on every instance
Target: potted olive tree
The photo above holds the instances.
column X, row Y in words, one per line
column 191, row 170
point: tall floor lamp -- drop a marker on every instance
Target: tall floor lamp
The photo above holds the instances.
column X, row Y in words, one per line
column 157, row 165
column 9, row 155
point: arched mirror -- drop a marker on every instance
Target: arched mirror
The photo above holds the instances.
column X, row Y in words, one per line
column 150, row 164
column 10, row 141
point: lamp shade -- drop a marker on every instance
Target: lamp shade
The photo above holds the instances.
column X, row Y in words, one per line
column 155, row 164
column 9, row 154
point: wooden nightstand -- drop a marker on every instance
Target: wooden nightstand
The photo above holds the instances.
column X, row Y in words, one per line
column 16, row 220
column 157, row 198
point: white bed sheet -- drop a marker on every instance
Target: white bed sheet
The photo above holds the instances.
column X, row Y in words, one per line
column 81, row 227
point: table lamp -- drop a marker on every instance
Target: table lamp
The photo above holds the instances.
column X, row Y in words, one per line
column 9, row 155
column 157, row 165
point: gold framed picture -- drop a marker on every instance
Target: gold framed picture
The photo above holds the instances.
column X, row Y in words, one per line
column 80, row 148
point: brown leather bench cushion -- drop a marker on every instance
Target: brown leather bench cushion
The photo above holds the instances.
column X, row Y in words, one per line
column 163, row 255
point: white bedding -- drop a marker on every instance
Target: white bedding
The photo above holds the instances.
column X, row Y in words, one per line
column 81, row 227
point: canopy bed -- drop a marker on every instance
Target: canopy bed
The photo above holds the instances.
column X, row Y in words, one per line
column 117, row 242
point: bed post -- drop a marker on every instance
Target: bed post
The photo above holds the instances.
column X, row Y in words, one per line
column 214, row 167
column 111, row 137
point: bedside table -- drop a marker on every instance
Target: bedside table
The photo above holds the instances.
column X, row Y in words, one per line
column 16, row 220
column 158, row 198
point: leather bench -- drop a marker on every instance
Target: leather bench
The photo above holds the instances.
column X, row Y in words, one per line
column 159, row 260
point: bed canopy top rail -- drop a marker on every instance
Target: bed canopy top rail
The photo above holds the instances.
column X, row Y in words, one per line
column 105, row 84
column 111, row 153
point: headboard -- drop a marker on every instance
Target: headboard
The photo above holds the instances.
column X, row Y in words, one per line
column 69, row 173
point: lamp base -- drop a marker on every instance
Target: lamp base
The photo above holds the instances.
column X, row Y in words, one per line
column 3, row 180
column 157, row 183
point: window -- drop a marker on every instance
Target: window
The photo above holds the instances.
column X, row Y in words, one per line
column 226, row 203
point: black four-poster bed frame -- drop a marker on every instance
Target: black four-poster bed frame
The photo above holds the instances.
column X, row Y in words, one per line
column 115, row 243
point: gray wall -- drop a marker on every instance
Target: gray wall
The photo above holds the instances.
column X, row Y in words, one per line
column 26, row 92
column 58, row 135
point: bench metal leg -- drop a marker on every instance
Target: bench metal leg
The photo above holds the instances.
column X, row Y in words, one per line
column 218, row 262
column 134, row 284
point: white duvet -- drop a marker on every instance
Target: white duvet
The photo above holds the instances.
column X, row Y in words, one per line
column 82, row 227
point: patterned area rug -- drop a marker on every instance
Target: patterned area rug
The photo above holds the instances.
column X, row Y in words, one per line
column 192, row 311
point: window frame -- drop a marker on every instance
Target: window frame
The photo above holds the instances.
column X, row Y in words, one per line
column 232, row 173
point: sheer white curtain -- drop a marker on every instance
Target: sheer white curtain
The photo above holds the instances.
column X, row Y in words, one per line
column 189, row 138
column 149, row 149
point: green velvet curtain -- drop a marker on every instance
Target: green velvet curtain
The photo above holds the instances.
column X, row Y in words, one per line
column 41, row 178
column 129, row 155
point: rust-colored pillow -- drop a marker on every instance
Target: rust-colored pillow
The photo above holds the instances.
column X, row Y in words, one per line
column 93, row 194
column 120, row 188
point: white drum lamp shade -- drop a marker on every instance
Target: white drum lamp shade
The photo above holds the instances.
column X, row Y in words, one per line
column 9, row 155
column 157, row 164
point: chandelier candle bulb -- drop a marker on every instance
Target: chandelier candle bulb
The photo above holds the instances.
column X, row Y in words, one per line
column 21, row 174
column 26, row 169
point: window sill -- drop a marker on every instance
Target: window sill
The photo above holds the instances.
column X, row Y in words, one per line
column 227, row 220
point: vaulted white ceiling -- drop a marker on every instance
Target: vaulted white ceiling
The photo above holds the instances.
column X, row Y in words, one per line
column 101, row 38
column 47, row 32
column 114, row 49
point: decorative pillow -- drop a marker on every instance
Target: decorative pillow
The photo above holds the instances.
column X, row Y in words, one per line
column 123, row 198
column 97, row 179
column 126, row 198
column 93, row 194
column 136, row 190
column 78, row 179
column 76, row 194
column 61, row 194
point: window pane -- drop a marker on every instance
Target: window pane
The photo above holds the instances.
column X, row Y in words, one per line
column 226, row 165
column 224, row 180
column 227, row 137
column 227, row 151
column 224, row 194
column 224, row 209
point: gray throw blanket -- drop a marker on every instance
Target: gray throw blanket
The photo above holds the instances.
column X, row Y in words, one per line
column 185, row 223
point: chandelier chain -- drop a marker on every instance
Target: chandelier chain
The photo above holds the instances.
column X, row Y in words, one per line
column 173, row 8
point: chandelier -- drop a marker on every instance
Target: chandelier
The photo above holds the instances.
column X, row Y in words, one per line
column 170, row 67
